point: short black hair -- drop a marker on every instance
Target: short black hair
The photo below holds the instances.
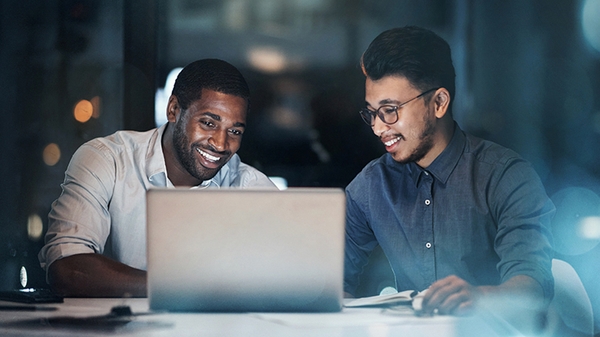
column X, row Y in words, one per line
column 212, row 74
column 418, row 54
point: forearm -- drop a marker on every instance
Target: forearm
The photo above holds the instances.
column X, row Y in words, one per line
column 94, row 275
column 453, row 295
column 520, row 285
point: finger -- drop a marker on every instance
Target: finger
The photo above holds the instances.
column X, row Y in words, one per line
column 446, row 294
column 437, row 295
column 435, row 287
column 453, row 301
column 464, row 309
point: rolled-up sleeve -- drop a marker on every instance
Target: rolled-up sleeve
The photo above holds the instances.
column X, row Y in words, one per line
column 79, row 221
column 524, row 212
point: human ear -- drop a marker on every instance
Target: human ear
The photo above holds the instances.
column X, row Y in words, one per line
column 173, row 109
column 442, row 102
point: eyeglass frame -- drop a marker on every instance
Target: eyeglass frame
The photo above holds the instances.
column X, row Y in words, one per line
column 364, row 112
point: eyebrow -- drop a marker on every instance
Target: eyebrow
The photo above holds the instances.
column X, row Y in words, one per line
column 218, row 118
column 389, row 101
column 386, row 101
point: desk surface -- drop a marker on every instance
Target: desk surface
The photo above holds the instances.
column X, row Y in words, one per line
column 72, row 318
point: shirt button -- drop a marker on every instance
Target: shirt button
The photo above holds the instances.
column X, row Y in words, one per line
column 427, row 202
column 428, row 245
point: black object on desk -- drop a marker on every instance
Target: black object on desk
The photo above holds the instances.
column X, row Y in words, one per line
column 30, row 295
column 16, row 307
column 120, row 318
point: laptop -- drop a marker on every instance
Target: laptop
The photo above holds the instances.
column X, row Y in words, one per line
column 245, row 250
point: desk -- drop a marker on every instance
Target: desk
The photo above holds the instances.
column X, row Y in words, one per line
column 372, row 322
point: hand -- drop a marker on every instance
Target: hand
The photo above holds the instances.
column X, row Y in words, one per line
column 450, row 296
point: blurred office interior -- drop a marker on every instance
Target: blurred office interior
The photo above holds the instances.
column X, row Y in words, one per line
column 528, row 77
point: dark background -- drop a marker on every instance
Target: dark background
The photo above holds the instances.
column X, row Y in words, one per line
column 527, row 78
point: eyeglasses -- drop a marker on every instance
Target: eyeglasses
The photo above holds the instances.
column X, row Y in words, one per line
column 387, row 113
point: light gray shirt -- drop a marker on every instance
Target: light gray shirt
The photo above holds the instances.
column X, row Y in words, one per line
column 102, row 207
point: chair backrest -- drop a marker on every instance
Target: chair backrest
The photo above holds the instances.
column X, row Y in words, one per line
column 570, row 312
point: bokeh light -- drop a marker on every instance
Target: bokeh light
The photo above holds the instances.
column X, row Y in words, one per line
column 590, row 21
column 51, row 154
column 83, row 111
column 576, row 225
column 590, row 227
column 23, row 279
column 35, row 227
column 267, row 59
column 161, row 97
column 280, row 182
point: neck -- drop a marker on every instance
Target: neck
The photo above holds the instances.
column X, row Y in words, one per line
column 441, row 139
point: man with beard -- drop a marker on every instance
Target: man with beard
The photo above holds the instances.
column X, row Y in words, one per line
column 459, row 216
column 96, row 240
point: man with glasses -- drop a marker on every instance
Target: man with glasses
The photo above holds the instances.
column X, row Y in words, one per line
column 459, row 216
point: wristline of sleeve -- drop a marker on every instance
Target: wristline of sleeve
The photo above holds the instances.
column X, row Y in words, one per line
column 58, row 251
column 544, row 280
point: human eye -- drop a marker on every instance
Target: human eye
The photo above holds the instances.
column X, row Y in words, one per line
column 236, row 132
column 388, row 109
column 207, row 123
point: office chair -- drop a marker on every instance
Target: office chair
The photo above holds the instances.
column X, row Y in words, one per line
column 570, row 312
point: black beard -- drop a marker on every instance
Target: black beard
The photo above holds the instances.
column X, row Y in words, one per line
column 187, row 158
column 424, row 147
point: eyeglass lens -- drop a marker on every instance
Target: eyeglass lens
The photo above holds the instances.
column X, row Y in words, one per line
column 387, row 113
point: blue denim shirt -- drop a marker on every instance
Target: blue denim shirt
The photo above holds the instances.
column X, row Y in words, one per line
column 479, row 211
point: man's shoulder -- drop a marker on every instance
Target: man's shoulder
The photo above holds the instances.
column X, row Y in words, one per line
column 381, row 164
column 121, row 141
column 124, row 137
column 489, row 152
column 121, row 148
column 376, row 168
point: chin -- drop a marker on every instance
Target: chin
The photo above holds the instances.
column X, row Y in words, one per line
column 207, row 176
column 207, row 173
column 399, row 158
column 406, row 159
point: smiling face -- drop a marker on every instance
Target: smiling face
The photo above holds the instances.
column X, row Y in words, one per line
column 208, row 133
column 415, row 136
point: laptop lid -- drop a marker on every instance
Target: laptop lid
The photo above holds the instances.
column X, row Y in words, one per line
column 245, row 250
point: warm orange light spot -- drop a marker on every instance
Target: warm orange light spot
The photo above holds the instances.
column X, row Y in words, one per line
column 83, row 111
column 51, row 154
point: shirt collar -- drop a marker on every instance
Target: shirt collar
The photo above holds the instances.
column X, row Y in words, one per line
column 156, row 169
column 444, row 164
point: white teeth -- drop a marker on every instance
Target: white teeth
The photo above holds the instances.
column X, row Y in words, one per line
column 391, row 142
column 208, row 156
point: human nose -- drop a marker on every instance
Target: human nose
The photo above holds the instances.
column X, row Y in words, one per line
column 218, row 140
column 379, row 127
